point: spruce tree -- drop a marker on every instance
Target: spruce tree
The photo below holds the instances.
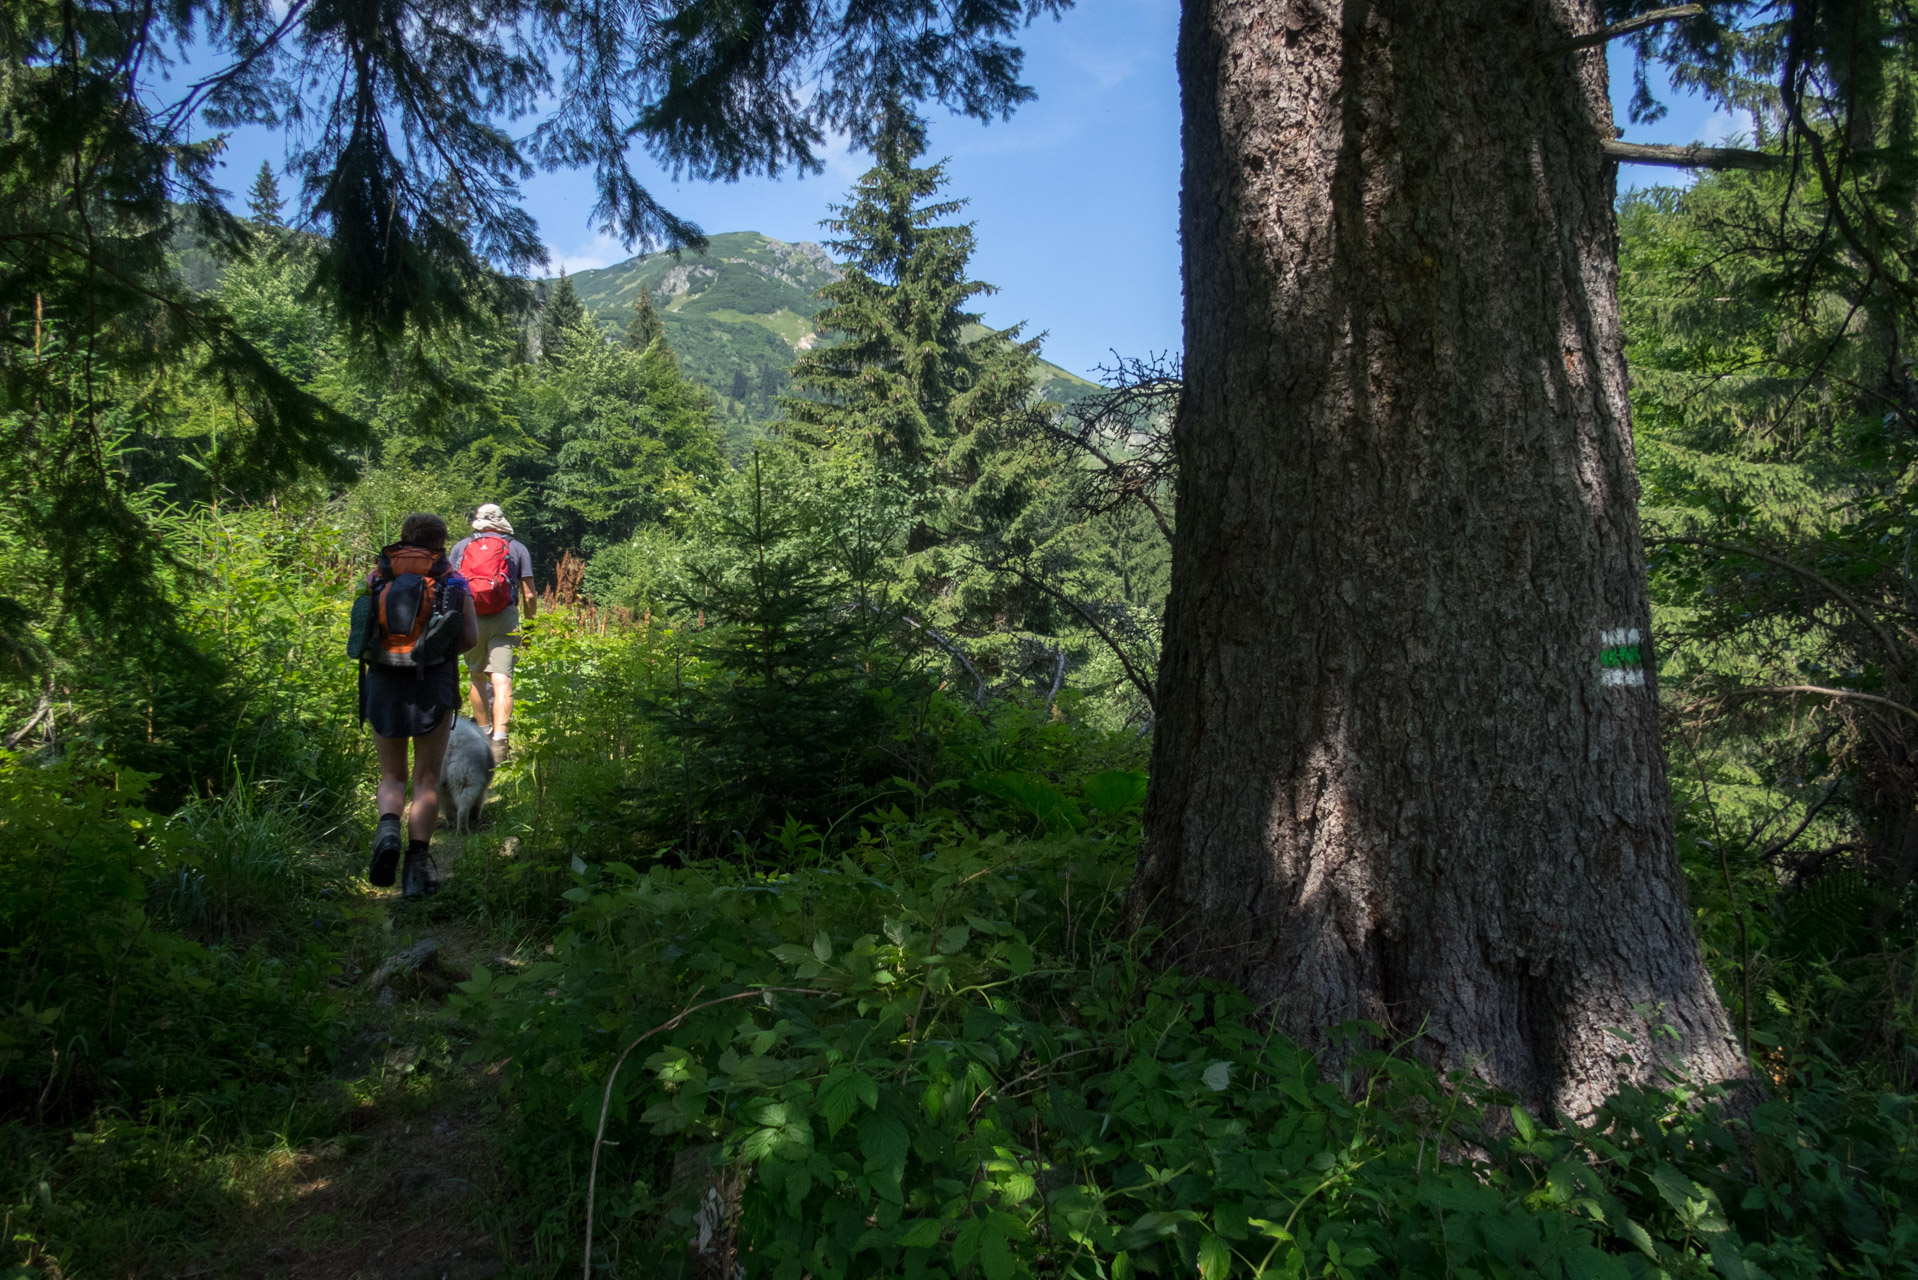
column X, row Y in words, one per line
column 899, row 376
column 626, row 430
column 912, row 378
column 263, row 200
column 795, row 651
column 561, row 313
column 646, row 326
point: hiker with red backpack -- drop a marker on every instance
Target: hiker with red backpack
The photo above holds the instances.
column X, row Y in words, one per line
column 408, row 629
column 499, row 569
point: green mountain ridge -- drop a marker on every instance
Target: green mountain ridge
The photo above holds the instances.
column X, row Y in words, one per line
column 738, row 314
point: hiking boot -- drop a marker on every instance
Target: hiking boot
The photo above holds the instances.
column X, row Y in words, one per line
column 501, row 751
column 419, row 878
column 387, row 844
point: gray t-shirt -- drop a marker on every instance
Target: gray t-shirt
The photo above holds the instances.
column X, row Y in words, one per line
column 518, row 559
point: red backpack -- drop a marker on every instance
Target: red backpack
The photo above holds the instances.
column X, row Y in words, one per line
column 486, row 566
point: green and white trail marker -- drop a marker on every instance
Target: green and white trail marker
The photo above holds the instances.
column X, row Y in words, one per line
column 1620, row 663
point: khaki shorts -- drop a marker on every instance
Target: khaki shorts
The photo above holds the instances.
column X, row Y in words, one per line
column 493, row 653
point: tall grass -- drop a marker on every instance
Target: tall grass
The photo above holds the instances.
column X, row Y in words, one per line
column 253, row 859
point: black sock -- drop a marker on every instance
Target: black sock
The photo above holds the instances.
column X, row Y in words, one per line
column 394, row 816
column 416, row 846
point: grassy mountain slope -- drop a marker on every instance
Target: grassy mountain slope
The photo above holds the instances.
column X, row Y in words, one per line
column 739, row 313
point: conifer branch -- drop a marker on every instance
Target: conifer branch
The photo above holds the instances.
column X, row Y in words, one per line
column 1892, row 652
column 1139, row 682
column 1689, row 157
column 1656, row 17
column 1825, row 692
column 958, row 654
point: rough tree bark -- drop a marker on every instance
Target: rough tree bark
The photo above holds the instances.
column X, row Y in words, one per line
column 1407, row 765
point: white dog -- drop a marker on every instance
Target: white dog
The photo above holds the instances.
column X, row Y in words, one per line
column 465, row 774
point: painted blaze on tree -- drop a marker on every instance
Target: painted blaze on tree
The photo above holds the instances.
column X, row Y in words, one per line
column 1408, row 767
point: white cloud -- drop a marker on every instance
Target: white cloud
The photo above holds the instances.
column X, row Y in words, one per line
column 601, row 250
column 843, row 165
column 1725, row 127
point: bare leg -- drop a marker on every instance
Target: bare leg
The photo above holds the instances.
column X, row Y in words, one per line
column 392, row 792
column 428, row 753
column 502, row 704
column 477, row 692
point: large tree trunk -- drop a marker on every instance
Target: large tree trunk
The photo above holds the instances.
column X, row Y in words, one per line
column 1406, row 768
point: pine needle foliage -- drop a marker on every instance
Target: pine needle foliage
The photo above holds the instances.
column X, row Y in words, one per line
column 790, row 617
column 399, row 118
column 900, row 375
column 646, row 325
column 1828, row 88
column 630, row 438
column 1771, row 317
column 1778, row 431
column 559, row 317
column 264, row 202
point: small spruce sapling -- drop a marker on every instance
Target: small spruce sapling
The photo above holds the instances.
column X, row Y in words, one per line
column 790, row 723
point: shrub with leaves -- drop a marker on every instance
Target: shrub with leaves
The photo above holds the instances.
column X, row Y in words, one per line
column 100, row 1004
column 936, row 1057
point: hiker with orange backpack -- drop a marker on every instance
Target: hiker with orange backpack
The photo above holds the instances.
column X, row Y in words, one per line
column 408, row 629
column 499, row 569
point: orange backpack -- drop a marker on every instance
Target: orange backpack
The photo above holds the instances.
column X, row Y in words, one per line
column 412, row 619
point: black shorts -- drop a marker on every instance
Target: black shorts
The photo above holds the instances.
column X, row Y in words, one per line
column 404, row 703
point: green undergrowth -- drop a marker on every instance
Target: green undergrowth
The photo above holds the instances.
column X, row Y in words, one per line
column 920, row 1041
column 939, row 1054
column 104, row 1004
column 184, row 1021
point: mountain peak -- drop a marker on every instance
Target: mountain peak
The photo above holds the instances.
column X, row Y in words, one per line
column 739, row 314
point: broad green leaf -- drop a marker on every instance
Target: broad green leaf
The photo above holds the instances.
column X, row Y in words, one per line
column 1727, row 1260
column 966, row 1245
column 1115, row 790
column 884, row 1141
column 822, row 947
column 1218, row 1076
column 995, row 1257
column 1215, row 1258
column 1589, row 1262
column 1638, row 1236
column 1678, row 1190
column 839, row 1097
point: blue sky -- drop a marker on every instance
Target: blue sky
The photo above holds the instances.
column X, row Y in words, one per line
column 1075, row 199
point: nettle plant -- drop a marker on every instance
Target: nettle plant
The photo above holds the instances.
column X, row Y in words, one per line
column 938, row 1056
